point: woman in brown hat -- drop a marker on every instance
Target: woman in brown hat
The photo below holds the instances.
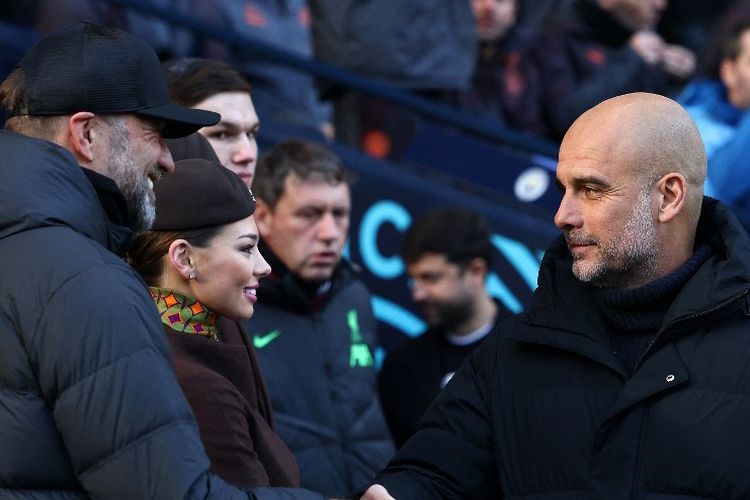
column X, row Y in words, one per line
column 202, row 264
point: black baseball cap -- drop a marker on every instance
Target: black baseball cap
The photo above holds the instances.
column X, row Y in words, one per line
column 84, row 67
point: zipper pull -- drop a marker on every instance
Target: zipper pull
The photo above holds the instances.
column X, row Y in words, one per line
column 746, row 309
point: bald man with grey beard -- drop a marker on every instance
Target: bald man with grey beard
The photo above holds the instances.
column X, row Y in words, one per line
column 628, row 376
column 631, row 180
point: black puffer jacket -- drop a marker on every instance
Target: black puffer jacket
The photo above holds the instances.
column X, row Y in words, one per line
column 89, row 404
column 316, row 356
column 544, row 410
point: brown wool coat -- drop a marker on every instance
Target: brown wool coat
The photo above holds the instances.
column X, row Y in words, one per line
column 224, row 386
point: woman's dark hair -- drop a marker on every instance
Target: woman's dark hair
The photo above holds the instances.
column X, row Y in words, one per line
column 146, row 255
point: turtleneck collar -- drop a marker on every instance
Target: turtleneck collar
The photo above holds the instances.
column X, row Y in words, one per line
column 642, row 309
column 636, row 315
column 184, row 314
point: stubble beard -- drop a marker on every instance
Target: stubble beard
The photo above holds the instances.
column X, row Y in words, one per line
column 448, row 315
column 628, row 259
column 131, row 180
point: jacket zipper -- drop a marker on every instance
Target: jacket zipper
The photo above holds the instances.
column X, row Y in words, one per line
column 639, row 454
column 708, row 310
column 682, row 319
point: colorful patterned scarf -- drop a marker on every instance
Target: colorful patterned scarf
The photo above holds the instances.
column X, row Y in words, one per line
column 184, row 314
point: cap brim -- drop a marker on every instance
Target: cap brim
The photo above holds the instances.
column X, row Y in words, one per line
column 180, row 121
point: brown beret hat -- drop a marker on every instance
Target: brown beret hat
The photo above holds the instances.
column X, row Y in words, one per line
column 191, row 146
column 200, row 194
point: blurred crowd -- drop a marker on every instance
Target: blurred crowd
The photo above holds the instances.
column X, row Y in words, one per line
column 532, row 66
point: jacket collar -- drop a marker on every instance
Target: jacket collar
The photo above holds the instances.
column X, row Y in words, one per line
column 119, row 234
column 564, row 315
column 284, row 289
column 51, row 189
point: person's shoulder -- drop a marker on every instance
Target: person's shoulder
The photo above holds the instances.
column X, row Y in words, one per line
column 23, row 145
column 347, row 279
column 59, row 254
column 347, row 270
column 702, row 92
column 504, row 334
column 409, row 349
column 43, row 186
column 100, row 263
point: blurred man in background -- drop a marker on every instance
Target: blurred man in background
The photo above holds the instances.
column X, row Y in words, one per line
column 448, row 276
column 501, row 86
column 600, row 49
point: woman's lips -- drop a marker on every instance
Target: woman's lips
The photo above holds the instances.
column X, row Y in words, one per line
column 250, row 293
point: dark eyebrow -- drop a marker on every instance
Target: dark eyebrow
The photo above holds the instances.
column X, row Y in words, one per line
column 592, row 180
column 588, row 180
column 252, row 236
column 228, row 124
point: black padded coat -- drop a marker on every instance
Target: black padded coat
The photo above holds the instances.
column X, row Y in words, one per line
column 544, row 410
column 89, row 403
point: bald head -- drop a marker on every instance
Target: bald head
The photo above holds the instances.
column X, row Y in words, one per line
column 652, row 133
column 653, row 130
column 631, row 171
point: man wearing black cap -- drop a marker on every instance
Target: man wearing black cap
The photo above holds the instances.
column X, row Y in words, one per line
column 102, row 95
column 89, row 404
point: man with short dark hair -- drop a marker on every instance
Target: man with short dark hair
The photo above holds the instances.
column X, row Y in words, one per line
column 314, row 330
column 216, row 86
column 89, row 403
column 628, row 376
column 448, row 275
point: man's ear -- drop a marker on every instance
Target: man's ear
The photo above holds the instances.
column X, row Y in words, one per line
column 80, row 137
column 671, row 196
column 477, row 267
column 180, row 259
column 263, row 218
